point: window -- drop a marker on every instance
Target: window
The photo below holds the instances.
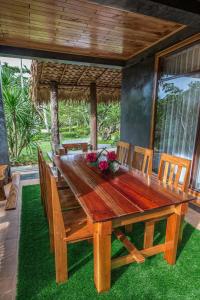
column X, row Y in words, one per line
column 178, row 107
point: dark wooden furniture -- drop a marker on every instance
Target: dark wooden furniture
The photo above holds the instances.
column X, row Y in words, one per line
column 142, row 159
column 2, row 179
column 123, row 153
column 61, row 184
column 75, row 146
column 170, row 172
column 66, row 226
column 13, row 195
column 111, row 201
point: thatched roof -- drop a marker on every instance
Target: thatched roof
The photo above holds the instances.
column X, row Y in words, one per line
column 74, row 81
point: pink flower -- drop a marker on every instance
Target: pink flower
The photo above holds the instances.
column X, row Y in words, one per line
column 111, row 155
column 103, row 165
column 91, row 157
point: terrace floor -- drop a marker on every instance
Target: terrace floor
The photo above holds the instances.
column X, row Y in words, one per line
column 10, row 232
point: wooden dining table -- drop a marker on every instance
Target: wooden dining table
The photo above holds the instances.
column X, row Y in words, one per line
column 114, row 200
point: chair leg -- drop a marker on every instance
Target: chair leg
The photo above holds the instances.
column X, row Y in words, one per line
column 149, row 234
column 61, row 260
column 128, row 228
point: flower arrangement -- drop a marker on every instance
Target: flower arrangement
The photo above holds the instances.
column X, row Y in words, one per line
column 104, row 160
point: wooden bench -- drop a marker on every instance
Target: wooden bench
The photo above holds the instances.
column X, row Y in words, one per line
column 13, row 195
column 2, row 181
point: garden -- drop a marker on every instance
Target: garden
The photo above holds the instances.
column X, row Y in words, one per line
column 29, row 125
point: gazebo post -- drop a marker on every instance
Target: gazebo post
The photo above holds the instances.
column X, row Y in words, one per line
column 55, row 137
column 93, row 115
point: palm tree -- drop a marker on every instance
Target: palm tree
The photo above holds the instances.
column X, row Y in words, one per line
column 22, row 119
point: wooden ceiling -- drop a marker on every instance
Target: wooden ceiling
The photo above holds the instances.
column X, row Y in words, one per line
column 74, row 81
column 79, row 27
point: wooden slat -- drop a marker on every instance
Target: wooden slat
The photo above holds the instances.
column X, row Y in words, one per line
column 134, row 252
column 81, row 27
column 124, row 260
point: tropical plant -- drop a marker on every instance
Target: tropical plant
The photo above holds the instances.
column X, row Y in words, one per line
column 22, row 118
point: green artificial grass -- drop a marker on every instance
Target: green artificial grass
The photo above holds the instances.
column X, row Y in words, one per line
column 154, row 279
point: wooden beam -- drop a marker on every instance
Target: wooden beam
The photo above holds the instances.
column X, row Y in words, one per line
column 62, row 86
column 93, row 115
column 163, row 11
column 35, row 53
column 127, row 259
column 134, row 252
column 179, row 36
column 54, row 115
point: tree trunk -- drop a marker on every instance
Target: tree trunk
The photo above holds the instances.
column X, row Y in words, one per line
column 93, row 115
column 54, row 115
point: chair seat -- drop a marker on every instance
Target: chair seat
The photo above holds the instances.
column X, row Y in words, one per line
column 67, row 200
column 76, row 225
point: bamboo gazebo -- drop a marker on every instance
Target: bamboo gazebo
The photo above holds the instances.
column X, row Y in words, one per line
column 53, row 82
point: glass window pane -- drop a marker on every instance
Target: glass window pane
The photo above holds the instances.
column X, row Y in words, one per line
column 177, row 115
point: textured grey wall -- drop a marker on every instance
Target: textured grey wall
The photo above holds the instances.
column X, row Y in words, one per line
column 4, row 159
column 136, row 102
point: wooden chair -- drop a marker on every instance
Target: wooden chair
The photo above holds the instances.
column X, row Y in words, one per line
column 2, row 179
column 170, row 172
column 66, row 227
column 142, row 159
column 123, row 152
column 75, row 146
column 61, row 185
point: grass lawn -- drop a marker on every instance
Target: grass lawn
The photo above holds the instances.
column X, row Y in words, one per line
column 30, row 157
column 153, row 280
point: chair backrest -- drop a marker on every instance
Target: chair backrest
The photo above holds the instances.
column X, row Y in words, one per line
column 174, row 171
column 142, row 159
column 75, row 146
column 123, row 152
column 55, row 217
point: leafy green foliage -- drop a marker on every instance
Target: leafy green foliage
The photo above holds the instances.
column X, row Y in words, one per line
column 28, row 125
column 22, row 118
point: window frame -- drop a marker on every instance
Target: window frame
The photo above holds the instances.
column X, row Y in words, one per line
column 157, row 68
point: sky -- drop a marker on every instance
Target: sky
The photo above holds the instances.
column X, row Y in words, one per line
column 15, row 62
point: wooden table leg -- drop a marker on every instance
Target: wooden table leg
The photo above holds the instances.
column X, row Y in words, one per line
column 102, row 255
column 149, row 234
column 172, row 235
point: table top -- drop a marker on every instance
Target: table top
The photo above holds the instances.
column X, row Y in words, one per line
column 107, row 196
